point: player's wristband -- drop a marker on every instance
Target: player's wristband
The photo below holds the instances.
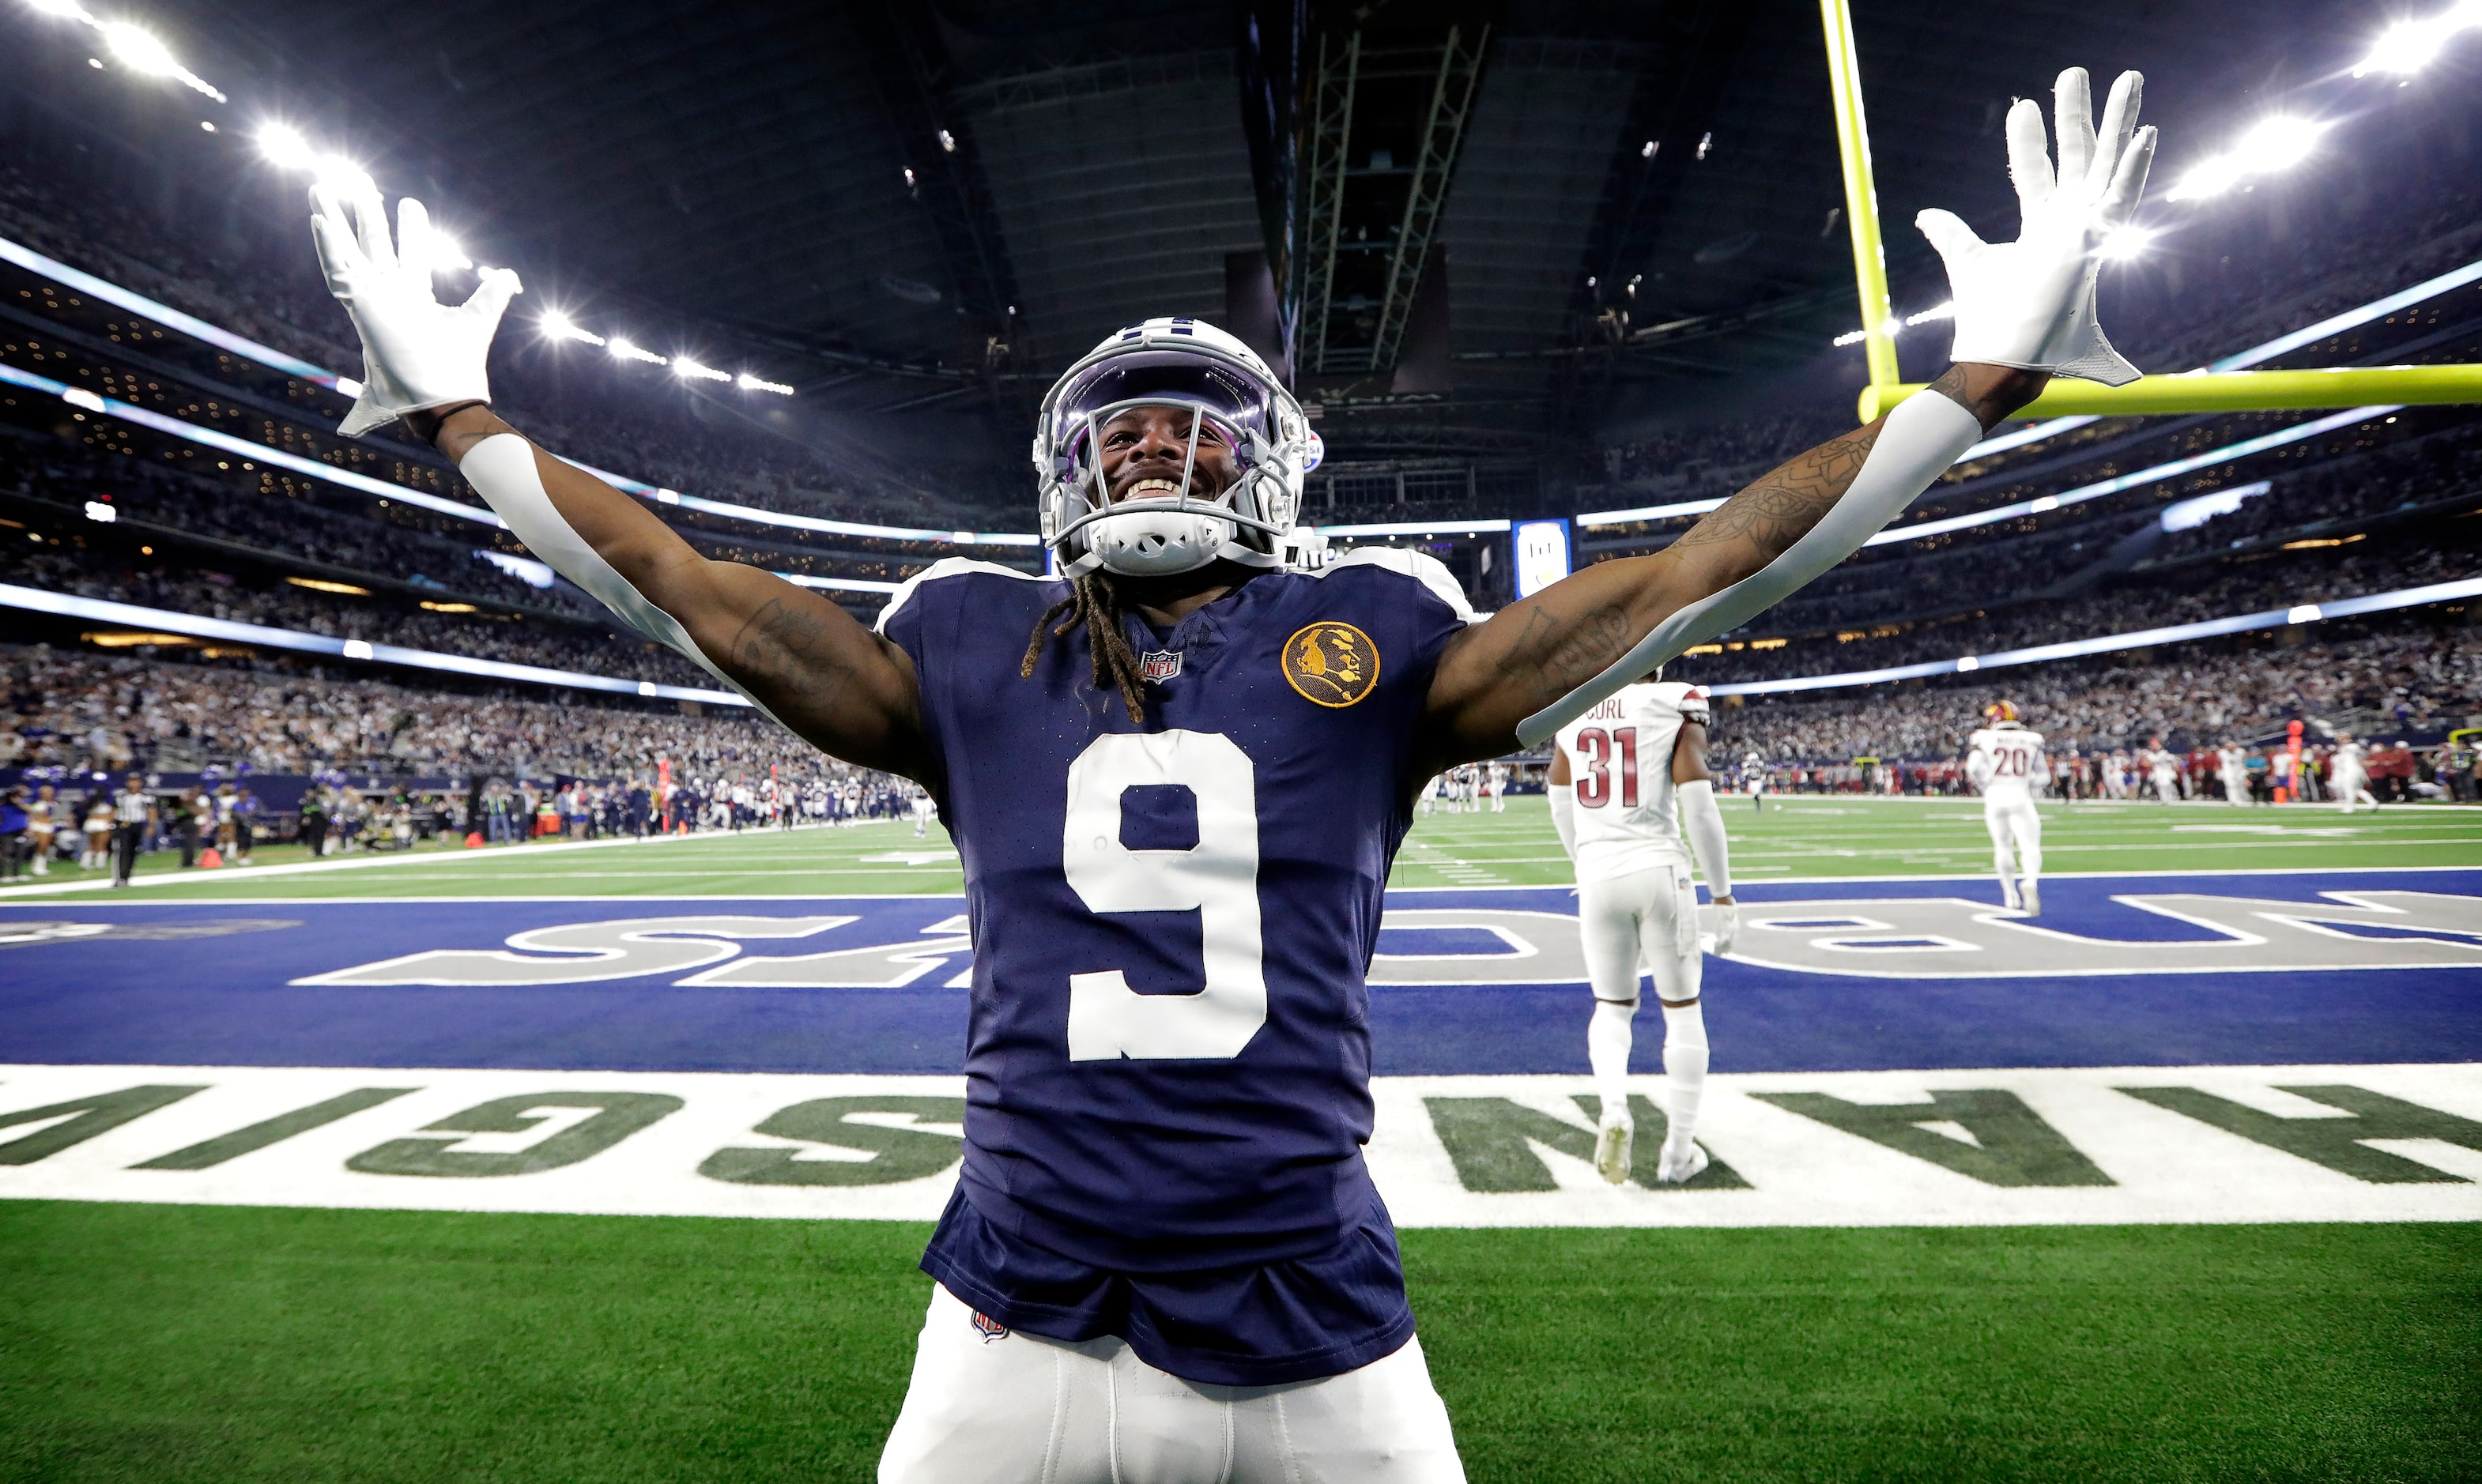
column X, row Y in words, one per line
column 1920, row 439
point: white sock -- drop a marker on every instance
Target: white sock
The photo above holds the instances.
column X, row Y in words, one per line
column 1607, row 1051
column 1684, row 1067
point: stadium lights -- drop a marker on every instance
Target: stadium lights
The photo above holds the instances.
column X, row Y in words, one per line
column 2123, row 243
column 1945, row 311
column 556, row 325
column 750, row 383
column 622, row 350
column 1891, row 328
column 689, row 370
column 2410, row 46
column 284, row 145
column 2271, row 144
column 132, row 46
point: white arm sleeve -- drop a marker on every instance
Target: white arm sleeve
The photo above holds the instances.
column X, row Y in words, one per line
column 1705, row 824
column 501, row 468
column 1977, row 769
column 1920, row 439
column 1564, row 815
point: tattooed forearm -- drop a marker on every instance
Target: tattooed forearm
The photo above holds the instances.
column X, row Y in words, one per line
column 1554, row 657
column 1782, row 507
column 780, row 648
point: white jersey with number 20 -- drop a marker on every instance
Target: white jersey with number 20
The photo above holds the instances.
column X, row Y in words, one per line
column 2007, row 762
column 1620, row 762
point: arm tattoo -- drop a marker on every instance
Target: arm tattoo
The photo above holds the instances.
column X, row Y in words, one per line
column 778, row 648
column 1554, row 659
column 1787, row 502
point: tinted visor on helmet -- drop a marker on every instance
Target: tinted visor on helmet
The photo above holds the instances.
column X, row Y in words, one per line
column 1235, row 403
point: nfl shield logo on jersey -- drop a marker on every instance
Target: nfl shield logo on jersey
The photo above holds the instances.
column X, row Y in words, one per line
column 991, row 1329
column 1159, row 665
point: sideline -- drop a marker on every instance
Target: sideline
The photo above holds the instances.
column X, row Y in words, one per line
column 528, row 850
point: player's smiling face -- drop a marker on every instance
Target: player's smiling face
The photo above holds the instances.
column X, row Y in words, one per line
column 1144, row 449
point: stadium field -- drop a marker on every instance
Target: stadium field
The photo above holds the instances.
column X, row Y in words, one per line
column 2192, row 1194
column 1800, row 837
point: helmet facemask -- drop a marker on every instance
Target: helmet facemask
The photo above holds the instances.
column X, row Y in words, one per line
column 1219, row 383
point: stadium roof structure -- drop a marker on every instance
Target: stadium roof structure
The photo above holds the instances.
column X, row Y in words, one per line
column 1467, row 228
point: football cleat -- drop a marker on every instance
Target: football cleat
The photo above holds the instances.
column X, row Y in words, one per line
column 1680, row 1161
column 2033, row 900
column 2009, row 899
column 1614, row 1144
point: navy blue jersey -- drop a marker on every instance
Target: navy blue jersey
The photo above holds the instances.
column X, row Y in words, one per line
column 1168, row 1056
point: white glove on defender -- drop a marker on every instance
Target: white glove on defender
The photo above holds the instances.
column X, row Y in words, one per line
column 2030, row 304
column 416, row 351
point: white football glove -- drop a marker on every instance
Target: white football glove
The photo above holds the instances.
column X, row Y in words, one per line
column 416, row 351
column 1728, row 924
column 2030, row 304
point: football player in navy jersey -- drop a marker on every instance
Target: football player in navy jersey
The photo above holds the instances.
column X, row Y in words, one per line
column 1178, row 774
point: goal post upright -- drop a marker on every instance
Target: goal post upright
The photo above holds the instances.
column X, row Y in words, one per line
column 2198, row 391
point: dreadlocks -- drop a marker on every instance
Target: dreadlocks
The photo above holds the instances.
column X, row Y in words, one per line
column 1095, row 603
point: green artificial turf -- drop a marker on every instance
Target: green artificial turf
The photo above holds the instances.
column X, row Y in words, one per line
column 1791, row 839
column 177, row 1343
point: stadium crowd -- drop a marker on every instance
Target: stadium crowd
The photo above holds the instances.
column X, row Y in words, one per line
column 80, row 711
column 2405, row 679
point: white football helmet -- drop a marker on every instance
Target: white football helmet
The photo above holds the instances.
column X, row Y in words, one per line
column 1190, row 364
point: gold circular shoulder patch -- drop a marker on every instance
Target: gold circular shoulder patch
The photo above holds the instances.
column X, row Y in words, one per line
column 1333, row 664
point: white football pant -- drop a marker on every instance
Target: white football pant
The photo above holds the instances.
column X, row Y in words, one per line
column 2353, row 789
column 2167, row 789
column 1005, row 1408
column 2016, row 831
column 1648, row 917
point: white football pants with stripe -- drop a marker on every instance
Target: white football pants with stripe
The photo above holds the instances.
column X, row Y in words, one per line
column 1017, row 1409
column 2016, row 841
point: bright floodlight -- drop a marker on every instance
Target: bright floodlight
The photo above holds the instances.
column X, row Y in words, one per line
column 622, row 350
column 2124, row 242
column 559, row 327
column 67, row 9
column 2410, row 46
column 2212, row 176
column 750, row 383
column 689, row 370
column 1945, row 311
column 284, row 146
column 2278, row 144
column 139, row 49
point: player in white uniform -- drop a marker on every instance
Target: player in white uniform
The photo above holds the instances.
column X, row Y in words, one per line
column 2348, row 775
column 1618, row 771
column 1498, row 781
column 1754, row 778
column 2005, row 761
column 925, row 810
column 2163, row 771
column 2232, row 766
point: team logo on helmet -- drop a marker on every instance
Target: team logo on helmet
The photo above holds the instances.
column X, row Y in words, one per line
column 1159, row 665
column 2001, row 711
column 1331, row 663
column 991, row 1329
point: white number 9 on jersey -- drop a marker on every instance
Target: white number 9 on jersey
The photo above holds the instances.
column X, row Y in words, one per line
column 1218, row 877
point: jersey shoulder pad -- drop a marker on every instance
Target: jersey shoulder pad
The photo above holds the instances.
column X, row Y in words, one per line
column 1687, row 699
column 1421, row 567
column 1979, row 739
column 946, row 567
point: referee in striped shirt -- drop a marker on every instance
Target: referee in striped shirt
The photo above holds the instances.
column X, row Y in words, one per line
column 133, row 819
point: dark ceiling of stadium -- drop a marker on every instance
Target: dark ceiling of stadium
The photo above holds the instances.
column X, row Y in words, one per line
column 934, row 207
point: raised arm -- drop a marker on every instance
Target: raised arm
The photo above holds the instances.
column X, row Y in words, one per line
column 804, row 660
column 2023, row 311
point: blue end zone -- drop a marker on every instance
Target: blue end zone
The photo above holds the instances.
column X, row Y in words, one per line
column 225, row 998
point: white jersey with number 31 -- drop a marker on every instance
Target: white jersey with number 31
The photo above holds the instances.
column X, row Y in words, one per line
column 1620, row 762
column 2007, row 762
